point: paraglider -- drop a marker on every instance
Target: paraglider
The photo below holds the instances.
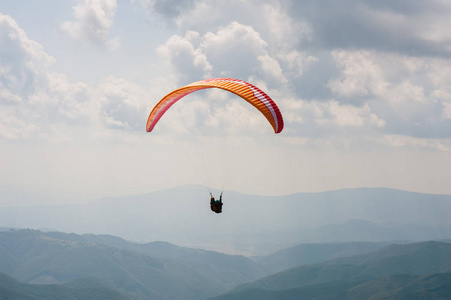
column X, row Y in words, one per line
column 216, row 205
column 245, row 90
column 252, row 94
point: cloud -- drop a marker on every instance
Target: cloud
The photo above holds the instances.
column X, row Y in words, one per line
column 93, row 20
column 399, row 141
column 169, row 8
column 366, row 74
column 348, row 115
column 380, row 67
column 409, row 94
column 22, row 61
column 417, row 29
column 280, row 31
column 32, row 99
column 360, row 76
column 123, row 104
column 21, row 75
column 347, row 80
column 340, row 85
column 36, row 103
column 329, row 120
column 184, row 54
column 235, row 50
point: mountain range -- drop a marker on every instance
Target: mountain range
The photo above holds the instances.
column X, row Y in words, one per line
column 146, row 271
column 35, row 265
column 410, row 271
column 249, row 224
column 344, row 244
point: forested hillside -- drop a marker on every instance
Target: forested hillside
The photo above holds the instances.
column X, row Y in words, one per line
column 84, row 288
column 411, row 271
column 42, row 265
column 56, row 258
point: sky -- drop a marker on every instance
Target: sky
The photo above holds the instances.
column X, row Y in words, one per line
column 363, row 86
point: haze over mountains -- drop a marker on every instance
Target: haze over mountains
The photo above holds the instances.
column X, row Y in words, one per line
column 145, row 271
column 55, row 265
column 250, row 224
column 345, row 244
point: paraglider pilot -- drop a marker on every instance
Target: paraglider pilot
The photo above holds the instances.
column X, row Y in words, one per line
column 216, row 205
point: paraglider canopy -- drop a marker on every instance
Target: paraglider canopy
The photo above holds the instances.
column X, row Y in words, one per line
column 245, row 90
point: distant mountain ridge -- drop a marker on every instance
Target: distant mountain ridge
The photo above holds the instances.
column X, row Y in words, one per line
column 249, row 224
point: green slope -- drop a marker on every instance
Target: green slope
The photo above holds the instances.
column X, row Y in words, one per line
column 362, row 273
column 398, row 287
column 433, row 286
column 314, row 253
column 230, row 270
column 85, row 288
column 36, row 257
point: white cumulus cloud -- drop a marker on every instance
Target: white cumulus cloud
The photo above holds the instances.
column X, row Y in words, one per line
column 93, row 20
column 36, row 103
